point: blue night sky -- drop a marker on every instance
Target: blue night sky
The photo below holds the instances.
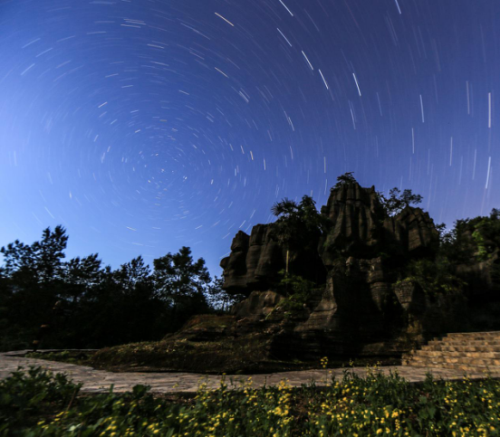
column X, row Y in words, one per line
column 146, row 125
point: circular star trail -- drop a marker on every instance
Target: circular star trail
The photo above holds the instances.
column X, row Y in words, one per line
column 144, row 126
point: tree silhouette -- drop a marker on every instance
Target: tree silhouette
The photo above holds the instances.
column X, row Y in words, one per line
column 399, row 200
column 42, row 258
column 99, row 306
column 296, row 223
column 181, row 282
column 34, row 276
column 346, row 178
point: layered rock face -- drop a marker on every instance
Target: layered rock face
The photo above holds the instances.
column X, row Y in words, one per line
column 256, row 260
column 361, row 229
column 362, row 310
column 354, row 213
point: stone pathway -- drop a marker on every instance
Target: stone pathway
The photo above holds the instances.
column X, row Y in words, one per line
column 95, row 381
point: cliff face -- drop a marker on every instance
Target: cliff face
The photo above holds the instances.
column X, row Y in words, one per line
column 360, row 227
column 354, row 213
column 256, row 260
column 361, row 308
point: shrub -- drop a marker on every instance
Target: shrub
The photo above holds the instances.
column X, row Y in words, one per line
column 27, row 395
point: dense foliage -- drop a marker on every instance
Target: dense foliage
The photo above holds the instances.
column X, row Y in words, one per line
column 97, row 306
column 296, row 291
column 39, row 404
column 297, row 222
column 476, row 239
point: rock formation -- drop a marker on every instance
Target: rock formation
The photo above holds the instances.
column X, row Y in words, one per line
column 256, row 260
column 362, row 308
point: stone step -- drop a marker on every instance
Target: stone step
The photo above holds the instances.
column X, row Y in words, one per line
column 491, row 342
column 461, row 348
column 469, row 361
column 472, row 334
column 445, row 340
column 454, row 354
column 471, row 351
column 455, row 366
column 492, row 336
column 468, row 342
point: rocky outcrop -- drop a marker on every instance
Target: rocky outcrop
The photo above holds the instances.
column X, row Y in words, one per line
column 256, row 260
column 414, row 231
column 259, row 303
column 354, row 213
column 360, row 227
column 361, row 309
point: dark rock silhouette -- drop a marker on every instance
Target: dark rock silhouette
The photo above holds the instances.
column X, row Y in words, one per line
column 256, row 260
column 362, row 310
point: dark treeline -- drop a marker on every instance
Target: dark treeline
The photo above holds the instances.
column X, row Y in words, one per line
column 98, row 306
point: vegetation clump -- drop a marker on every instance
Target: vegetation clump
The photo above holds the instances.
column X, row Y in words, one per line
column 297, row 292
column 41, row 404
column 80, row 357
column 97, row 306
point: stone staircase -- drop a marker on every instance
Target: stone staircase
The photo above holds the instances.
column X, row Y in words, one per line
column 468, row 351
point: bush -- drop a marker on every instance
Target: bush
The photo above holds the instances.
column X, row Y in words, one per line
column 434, row 277
column 297, row 292
column 24, row 396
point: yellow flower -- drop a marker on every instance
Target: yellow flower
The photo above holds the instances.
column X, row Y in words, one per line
column 380, row 431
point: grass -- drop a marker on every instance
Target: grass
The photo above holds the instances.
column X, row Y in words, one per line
column 210, row 344
column 37, row 403
column 248, row 354
column 83, row 358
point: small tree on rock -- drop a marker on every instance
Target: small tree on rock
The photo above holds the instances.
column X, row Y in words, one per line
column 346, row 178
column 398, row 200
column 296, row 222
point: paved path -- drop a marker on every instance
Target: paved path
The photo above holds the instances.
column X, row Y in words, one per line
column 95, row 381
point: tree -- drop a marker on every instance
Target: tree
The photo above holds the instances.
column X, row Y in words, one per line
column 99, row 306
column 399, row 201
column 181, row 282
column 296, row 223
column 132, row 275
column 42, row 258
column 287, row 212
column 218, row 298
column 79, row 276
column 33, row 273
column 346, row 178
column 178, row 275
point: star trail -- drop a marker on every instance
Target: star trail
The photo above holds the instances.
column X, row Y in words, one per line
column 144, row 126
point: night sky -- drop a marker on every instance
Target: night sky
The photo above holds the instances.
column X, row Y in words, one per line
column 146, row 125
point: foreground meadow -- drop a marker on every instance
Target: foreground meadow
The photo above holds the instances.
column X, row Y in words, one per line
column 34, row 402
